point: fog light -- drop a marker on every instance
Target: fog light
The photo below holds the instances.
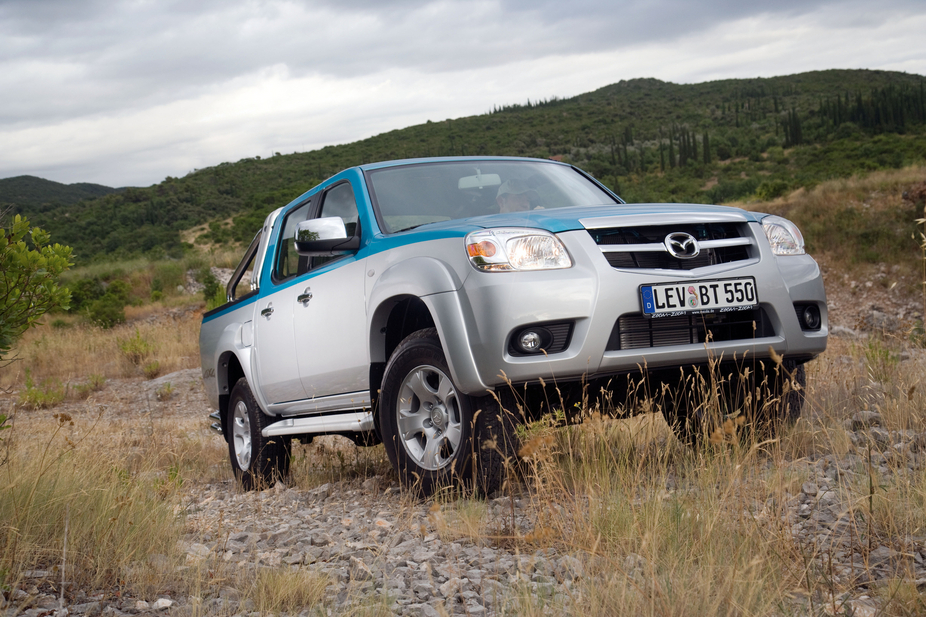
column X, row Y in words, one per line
column 530, row 341
column 811, row 317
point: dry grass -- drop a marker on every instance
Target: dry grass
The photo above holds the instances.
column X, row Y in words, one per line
column 105, row 511
column 858, row 223
column 72, row 354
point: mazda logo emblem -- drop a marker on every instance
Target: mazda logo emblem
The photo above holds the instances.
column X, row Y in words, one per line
column 682, row 245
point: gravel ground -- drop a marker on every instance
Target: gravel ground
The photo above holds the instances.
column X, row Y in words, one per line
column 377, row 544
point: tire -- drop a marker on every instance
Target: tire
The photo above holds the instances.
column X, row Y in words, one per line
column 435, row 435
column 778, row 393
column 257, row 461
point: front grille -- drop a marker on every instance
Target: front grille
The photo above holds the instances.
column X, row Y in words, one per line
column 643, row 246
column 633, row 331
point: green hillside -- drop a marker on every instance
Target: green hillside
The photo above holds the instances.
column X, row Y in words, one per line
column 35, row 195
column 649, row 140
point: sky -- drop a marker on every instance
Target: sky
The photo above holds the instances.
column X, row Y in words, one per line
column 127, row 92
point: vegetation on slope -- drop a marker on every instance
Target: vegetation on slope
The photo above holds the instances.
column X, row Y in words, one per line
column 649, row 140
column 40, row 195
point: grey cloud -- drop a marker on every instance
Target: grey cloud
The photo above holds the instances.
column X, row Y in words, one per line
column 62, row 60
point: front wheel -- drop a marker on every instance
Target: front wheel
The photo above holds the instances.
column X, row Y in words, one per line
column 434, row 434
column 256, row 461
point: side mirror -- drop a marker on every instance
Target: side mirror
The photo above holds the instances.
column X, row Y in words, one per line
column 323, row 237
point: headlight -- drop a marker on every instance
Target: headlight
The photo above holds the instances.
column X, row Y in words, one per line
column 783, row 235
column 509, row 249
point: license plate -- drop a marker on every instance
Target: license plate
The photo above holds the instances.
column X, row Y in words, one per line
column 698, row 297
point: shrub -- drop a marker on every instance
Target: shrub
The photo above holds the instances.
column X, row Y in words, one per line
column 85, row 291
column 211, row 285
column 94, row 384
column 136, row 349
column 152, row 369
column 29, row 287
column 47, row 394
column 164, row 392
column 770, row 189
column 106, row 312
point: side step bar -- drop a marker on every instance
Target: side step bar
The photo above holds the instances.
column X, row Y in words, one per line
column 217, row 425
column 359, row 421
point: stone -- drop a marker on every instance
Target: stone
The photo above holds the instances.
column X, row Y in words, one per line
column 865, row 419
column 450, row 587
column 163, row 604
column 87, row 608
column 570, row 568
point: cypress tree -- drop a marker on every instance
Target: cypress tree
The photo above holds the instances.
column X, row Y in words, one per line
column 706, row 146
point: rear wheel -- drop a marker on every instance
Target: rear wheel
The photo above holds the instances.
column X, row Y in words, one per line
column 435, row 435
column 257, row 461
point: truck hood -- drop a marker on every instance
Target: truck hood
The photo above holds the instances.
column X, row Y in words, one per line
column 588, row 217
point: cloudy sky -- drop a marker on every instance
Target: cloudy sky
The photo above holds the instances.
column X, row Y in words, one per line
column 126, row 92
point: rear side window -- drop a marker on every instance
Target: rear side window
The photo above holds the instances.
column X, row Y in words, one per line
column 288, row 262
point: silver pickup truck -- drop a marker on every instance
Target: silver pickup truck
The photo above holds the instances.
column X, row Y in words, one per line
column 432, row 304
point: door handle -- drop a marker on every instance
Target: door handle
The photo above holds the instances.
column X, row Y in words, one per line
column 305, row 296
column 267, row 312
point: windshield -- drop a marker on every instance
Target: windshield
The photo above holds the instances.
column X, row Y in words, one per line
column 413, row 195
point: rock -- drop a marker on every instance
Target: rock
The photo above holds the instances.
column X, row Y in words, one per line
column 569, row 568
column 450, row 587
column 809, row 488
column 864, row 420
column 87, row 608
column 881, row 437
column 843, row 332
column 197, row 552
column 141, row 605
column 359, row 571
column 163, row 604
column 881, row 554
column 878, row 321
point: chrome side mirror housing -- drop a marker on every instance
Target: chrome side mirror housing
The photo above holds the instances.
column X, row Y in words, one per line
column 323, row 237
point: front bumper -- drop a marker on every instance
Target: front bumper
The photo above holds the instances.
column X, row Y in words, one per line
column 592, row 296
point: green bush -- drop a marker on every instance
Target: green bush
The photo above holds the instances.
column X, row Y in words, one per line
column 136, row 348
column 29, row 288
column 106, row 312
column 211, row 285
column 770, row 189
column 152, row 369
column 85, row 291
column 47, row 394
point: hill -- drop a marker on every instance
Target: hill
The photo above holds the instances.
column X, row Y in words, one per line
column 35, row 195
column 649, row 140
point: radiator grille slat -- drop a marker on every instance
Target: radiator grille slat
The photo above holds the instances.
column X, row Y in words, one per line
column 634, row 331
column 656, row 234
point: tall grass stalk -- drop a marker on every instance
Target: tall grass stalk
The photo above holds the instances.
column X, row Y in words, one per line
column 115, row 522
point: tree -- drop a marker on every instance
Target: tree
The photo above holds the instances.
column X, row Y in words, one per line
column 29, row 274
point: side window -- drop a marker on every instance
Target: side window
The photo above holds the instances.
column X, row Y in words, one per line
column 339, row 201
column 288, row 262
column 240, row 283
